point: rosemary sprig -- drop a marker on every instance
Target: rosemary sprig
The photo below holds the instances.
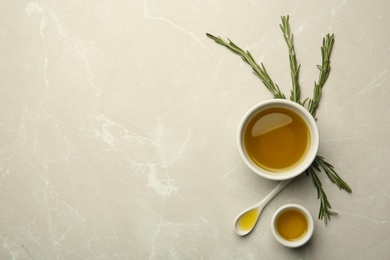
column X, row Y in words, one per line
column 289, row 37
column 324, row 212
column 246, row 56
column 331, row 173
column 316, row 166
column 326, row 50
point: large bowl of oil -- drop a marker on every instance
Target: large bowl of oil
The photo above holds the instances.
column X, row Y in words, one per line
column 292, row 225
column 278, row 139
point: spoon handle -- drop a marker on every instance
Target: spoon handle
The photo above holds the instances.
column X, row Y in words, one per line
column 275, row 191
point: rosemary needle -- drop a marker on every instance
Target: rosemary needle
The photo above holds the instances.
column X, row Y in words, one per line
column 319, row 162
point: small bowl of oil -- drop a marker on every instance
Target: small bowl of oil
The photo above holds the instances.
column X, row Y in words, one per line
column 292, row 225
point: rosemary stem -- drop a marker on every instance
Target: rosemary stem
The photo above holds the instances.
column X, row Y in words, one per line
column 246, row 56
column 326, row 51
column 289, row 38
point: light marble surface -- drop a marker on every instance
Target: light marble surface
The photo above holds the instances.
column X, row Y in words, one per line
column 119, row 118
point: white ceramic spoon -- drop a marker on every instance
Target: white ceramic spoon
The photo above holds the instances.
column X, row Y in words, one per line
column 246, row 221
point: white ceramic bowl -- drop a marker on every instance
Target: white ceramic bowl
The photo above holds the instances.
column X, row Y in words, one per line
column 312, row 149
column 304, row 239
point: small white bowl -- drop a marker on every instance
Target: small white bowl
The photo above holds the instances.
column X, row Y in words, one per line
column 312, row 149
column 305, row 238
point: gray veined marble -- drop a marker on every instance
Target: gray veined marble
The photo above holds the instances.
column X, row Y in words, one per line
column 118, row 124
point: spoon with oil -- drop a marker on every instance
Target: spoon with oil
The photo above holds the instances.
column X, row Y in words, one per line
column 246, row 221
